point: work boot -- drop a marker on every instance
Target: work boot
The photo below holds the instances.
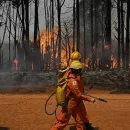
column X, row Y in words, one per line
column 88, row 126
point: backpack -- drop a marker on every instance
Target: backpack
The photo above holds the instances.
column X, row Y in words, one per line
column 61, row 86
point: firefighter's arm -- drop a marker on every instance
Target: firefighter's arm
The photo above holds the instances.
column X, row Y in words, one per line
column 73, row 86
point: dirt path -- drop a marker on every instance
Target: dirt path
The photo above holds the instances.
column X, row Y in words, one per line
column 26, row 112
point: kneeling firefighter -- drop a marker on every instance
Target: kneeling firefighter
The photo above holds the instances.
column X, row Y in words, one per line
column 74, row 101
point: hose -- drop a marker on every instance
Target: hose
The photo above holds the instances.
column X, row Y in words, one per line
column 54, row 112
column 47, row 103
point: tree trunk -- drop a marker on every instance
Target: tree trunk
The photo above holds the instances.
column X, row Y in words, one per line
column 96, row 34
column 84, row 31
column 9, row 35
column 122, row 32
column 36, row 59
column 73, row 48
column 27, row 21
column 36, row 24
column 53, row 44
column 102, row 52
column 119, row 32
column 26, row 3
column 108, row 31
column 15, row 35
column 127, row 34
column 78, row 26
column 92, row 44
column 23, row 35
column 59, row 30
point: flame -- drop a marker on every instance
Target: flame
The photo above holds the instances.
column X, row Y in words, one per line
column 114, row 61
column 106, row 46
column 87, row 62
column 46, row 41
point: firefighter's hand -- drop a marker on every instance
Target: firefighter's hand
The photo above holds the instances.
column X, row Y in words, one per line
column 93, row 100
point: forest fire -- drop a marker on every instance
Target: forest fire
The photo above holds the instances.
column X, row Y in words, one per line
column 114, row 61
column 47, row 47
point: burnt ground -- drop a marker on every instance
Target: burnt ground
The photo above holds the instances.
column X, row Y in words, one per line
column 24, row 110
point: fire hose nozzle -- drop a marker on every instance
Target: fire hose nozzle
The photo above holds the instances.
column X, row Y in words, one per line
column 102, row 100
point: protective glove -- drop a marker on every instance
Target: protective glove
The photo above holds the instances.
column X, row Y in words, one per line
column 93, row 100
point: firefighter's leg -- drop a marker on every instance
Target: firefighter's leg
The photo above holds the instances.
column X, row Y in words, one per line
column 81, row 118
column 77, row 116
column 63, row 120
column 83, row 113
column 84, row 117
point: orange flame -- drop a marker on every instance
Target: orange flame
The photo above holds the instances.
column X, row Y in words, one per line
column 114, row 60
column 106, row 46
column 46, row 40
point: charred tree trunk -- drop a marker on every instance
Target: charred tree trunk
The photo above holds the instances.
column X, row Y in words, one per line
column 26, row 3
column 27, row 21
column 119, row 31
column 53, row 44
column 122, row 36
column 84, row 31
column 23, row 36
column 59, row 30
column 78, row 25
column 15, row 35
column 92, row 43
column 96, row 34
column 36, row 24
column 73, row 49
column 9, row 35
column 108, row 31
column 127, row 34
column 36, row 53
column 102, row 22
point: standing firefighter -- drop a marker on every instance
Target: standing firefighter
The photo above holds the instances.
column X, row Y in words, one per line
column 74, row 100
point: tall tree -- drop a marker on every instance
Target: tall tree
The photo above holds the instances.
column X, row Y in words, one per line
column 15, row 34
column 119, row 31
column 53, row 45
column 59, row 6
column 84, row 24
column 122, row 34
column 92, row 43
column 73, row 49
column 96, row 32
column 78, row 25
column 36, row 59
column 108, row 30
column 36, row 23
column 25, row 13
column 127, row 34
column 9, row 35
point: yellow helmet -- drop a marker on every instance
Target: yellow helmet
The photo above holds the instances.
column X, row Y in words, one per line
column 76, row 65
column 75, row 56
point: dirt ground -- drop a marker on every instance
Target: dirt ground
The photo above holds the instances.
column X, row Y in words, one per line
column 26, row 112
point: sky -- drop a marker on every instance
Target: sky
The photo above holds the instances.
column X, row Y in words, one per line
column 68, row 3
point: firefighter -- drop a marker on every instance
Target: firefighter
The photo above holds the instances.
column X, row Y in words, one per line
column 74, row 97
